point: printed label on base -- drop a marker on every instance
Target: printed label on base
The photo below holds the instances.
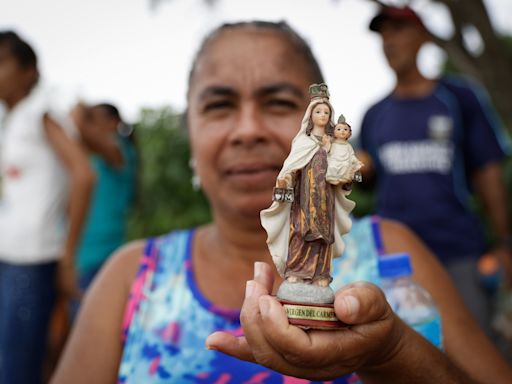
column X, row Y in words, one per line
column 294, row 311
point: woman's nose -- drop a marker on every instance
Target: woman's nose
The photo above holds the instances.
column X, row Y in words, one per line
column 249, row 127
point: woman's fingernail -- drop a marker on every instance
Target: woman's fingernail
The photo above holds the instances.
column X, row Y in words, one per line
column 258, row 269
column 210, row 347
column 249, row 288
column 351, row 305
column 264, row 306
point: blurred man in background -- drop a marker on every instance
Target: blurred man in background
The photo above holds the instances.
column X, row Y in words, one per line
column 431, row 144
column 45, row 186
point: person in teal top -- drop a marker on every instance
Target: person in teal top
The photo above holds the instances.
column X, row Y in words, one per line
column 113, row 159
column 248, row 89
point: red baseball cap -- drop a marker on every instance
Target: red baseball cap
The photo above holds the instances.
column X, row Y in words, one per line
column 395, row 13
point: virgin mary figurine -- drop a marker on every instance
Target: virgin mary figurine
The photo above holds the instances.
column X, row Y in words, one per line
column 309, row 215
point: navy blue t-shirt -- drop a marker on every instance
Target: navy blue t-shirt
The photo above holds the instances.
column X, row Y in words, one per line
column 425, row 150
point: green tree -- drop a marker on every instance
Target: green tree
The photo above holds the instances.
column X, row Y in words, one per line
column 165, row 198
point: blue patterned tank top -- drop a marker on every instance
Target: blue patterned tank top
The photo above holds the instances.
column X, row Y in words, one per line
column 168, row 319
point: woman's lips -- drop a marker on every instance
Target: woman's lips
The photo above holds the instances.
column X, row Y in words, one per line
column 252, row 173
column 251, row 168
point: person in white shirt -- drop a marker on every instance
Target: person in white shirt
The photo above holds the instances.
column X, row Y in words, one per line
column 45, row 183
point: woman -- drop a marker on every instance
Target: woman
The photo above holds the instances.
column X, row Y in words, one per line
column 112, row 156
column 245, row 102
column 45, row 186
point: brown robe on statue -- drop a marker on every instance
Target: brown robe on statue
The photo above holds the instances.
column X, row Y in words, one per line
column 311, row 222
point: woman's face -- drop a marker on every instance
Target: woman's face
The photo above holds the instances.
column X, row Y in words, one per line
column 102, row 120
column 321, row 115
column 246, row 102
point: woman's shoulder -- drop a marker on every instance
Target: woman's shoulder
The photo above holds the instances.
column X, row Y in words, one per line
column 398, row 236
column 126, row 261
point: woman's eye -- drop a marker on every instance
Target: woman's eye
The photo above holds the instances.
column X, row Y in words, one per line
column 217, row 105
column 282, row 104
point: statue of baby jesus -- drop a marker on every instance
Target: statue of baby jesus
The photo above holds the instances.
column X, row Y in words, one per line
column 342, row 164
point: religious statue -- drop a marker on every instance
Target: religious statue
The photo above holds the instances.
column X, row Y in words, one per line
column 310, row 213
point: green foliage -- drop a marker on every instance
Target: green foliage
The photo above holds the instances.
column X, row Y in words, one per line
column 449, row 66
column 364, row 199
column 166, row 199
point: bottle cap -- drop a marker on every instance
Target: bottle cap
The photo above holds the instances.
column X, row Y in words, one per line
column 395, row 265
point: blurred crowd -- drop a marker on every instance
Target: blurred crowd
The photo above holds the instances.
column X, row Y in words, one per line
column 68, row 179
column 67, row 183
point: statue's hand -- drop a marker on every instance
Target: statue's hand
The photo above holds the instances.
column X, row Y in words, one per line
column 281, row 183
column 285, row 182
column 326, row 142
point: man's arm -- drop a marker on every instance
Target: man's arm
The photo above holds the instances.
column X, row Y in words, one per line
column 81, row 184
column 485, row 145
column 491, row 191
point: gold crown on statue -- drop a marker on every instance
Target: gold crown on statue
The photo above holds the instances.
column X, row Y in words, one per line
column 318, row 90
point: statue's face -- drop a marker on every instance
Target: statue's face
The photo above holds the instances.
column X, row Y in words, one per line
column 342, row 131
column 321, row 115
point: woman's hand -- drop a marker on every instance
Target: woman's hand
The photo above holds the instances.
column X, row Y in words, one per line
column 373, row 337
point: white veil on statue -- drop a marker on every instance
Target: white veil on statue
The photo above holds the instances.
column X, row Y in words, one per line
column 304, row 146
column 276, row 219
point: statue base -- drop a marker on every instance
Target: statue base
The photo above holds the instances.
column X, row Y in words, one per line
column 308, row 305
column 312, row 316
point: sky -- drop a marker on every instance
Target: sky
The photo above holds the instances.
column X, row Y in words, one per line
column 138, row 56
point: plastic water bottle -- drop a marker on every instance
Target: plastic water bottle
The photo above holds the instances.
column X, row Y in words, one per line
column 412, row 303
